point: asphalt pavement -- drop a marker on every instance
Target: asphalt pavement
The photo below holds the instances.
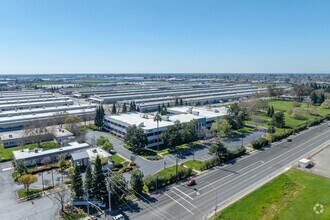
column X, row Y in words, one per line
column 222, row 185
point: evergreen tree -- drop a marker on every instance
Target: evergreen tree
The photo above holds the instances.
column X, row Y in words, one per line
column 176, row 101
column 321, row 98
column 278, row 120
column 99, row 184
column 134, row 106
column 269, row 111
column 124, row 108
column 158, row 109
column 272, row 112
column 314, row 98
column 181, row 102
column 88, row 178
column 99, row 117
column 77, row 183
column 137, row 108
column 113, row 110
column 168, row 105
column 137, row 181
column 131, row 106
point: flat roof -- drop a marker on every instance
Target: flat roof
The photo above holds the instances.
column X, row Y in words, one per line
column 36, row 103
column 27, row 154
column 202, row 111
column 79, row 155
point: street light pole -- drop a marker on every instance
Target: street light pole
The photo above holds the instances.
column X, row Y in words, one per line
column 109, row 191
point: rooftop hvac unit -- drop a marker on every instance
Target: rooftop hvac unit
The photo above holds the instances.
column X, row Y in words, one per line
column 165, row 117
column 195, row 113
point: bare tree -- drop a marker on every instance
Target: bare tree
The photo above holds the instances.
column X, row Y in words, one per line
column 72, row 123
column 37, row 131
column 257, row 120
column 58, row 118
column 60, row 195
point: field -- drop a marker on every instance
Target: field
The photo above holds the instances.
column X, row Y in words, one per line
column 292, row 195
column 195, row 164
column 6, row 153
column 169, row 170
column 117, row 159
column 290, row 122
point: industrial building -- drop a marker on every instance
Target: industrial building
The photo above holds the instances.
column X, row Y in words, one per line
column 35, row 156
column 203, row 116
column 29, row 105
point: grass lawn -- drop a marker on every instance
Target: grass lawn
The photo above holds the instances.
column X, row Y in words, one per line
column 169, row 170
column 242, row 130
column 6, row 153
column 76, row 214
column 291, row 195
column 22, row 192
column 195, row 164
column 117, row 159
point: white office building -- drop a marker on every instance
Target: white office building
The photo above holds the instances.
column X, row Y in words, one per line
column 204, row 117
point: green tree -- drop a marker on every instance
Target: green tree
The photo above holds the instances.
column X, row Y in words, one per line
column 88, row 178
column 101, row 140
column 135, row 138
column 21, row 167
column 107, row 146
column 278, row 120
column 181, row 102
column 222, row 128
column 171, row 135
column 137, row 181
column 271, row 129
column 217, row 149
column 176, row 101
column 157, row 118
column 113, row 110
column 314, row 98
column 62, row 162
column 99, row 117
column 77, row 183
column 99, row 184
column 27, row 180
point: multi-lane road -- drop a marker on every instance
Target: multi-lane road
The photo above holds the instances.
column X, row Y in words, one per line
column 226, row 184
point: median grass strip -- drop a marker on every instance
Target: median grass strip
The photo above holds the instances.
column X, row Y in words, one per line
column 194, row 164
column 292, row 195
column 21, row 193
column 117, row 159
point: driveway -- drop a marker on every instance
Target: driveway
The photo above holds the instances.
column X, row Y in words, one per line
column 14, row 209
column 150, row 167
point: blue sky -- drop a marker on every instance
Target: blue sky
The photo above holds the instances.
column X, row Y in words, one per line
column 146, row 36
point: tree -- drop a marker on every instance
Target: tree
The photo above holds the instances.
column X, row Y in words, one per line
column 271, row 129
column 107, row 146
column 176, row 101
column 60, row 194
column 257, row 120
column 321, row 98
column 37, row 131
column 118, row 188
column 21, row 167
column 278, row 120
column 101, row 141
column 137, row 181
column 99, row 184
column 204, row 133
column 88, row 178
column 27, row 180
column 326, row 104
column 61, row 162
column 73, row 124
column 171, row 135
column 157, row 118
column 274, row 91
column 99, row 117
column 46, row 160
column 158, row 109
column 124, row 108
column 181, row 102
column 314, row 98
column 222, row 128
column 113, row 110
column 218, row 150
column 135, row 138
column 77, row 183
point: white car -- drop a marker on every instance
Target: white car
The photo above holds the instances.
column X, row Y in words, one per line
column 119, row 217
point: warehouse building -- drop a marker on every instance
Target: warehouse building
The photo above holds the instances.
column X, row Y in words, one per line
column 204, row 117
column 35, row 157
column 28, row 105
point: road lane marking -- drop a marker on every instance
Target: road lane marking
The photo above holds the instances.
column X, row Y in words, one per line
column 8, row 168
column 292, row 149
column 218, row 186
column 180, row 204
column 183, row 193
column 185, row 200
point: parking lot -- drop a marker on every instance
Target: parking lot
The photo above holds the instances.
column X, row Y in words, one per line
column 322, row 163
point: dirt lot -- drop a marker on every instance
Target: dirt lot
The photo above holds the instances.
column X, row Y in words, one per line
column 322, row 163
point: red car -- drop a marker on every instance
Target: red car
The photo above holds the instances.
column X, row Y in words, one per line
column 191, row 182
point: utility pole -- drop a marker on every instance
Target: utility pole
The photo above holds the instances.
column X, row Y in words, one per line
column 109, row 191
column 53, row 177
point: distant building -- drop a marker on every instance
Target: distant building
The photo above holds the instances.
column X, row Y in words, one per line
column 18, row 138
column 35, row 156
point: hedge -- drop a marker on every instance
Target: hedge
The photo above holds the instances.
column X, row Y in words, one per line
column 260, row 143
column 160, row 181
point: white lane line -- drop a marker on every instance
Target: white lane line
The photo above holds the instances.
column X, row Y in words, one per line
column 8, row 168
column 185, row 200
column 182, row 193
column 180, row 204
column 280, row 155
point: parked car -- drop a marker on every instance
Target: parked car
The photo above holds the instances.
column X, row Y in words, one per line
column 119, row 217
column 191, row 182
column 289, row 139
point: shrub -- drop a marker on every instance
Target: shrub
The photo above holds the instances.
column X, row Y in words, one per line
column 236, row 153
column 259, row 143
column 298, row 114
column 296, row 104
